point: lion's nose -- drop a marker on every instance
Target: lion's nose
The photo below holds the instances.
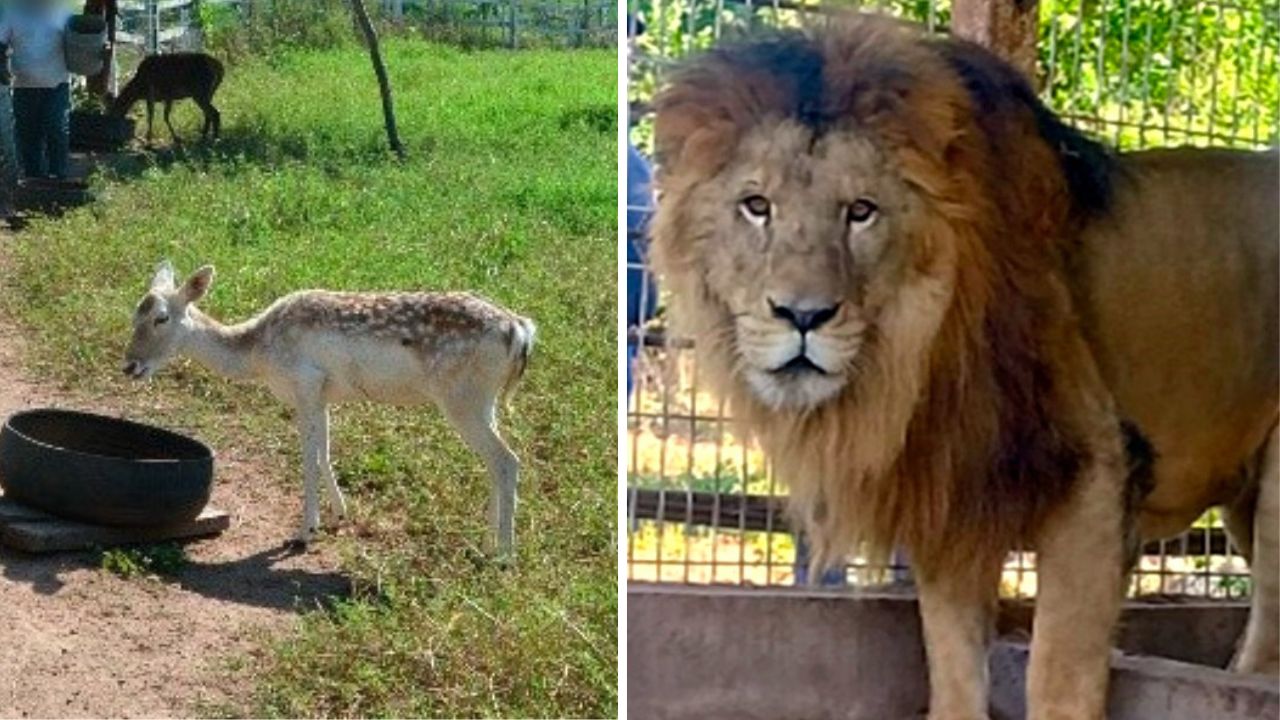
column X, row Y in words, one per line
column 804, row 320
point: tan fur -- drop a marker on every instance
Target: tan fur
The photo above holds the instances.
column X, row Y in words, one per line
column 983, row 349
column 914, row 305
column 317, row 347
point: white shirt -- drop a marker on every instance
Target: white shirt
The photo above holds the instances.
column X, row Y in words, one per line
column 35, row 37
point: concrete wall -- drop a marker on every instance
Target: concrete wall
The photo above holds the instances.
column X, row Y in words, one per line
column 777, row 653
column 770, row 654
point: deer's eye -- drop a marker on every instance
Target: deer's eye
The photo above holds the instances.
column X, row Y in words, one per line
column 861, row 212
column 756, row 208
column 162, row 319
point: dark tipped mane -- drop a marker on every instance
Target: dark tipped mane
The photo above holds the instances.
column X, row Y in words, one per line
column 1087, row 165
column 796, row 63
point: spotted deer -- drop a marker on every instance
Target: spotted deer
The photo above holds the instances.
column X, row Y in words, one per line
column 315, row 347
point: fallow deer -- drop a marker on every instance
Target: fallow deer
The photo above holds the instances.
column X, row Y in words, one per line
column 315, row 347
column 171, row 77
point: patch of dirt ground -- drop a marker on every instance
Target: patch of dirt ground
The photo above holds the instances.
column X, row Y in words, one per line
column 76, row 641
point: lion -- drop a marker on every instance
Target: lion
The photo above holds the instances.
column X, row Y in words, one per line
column 958, row 326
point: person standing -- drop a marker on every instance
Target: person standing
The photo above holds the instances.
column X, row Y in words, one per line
column 642, row 291
column 103, row 85
column 31, row 36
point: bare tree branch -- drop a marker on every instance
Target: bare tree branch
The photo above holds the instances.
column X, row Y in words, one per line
column 379, row 69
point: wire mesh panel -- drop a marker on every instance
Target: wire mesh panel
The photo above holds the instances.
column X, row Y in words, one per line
column 511, row 23
column 154, row 26
column 703, row 504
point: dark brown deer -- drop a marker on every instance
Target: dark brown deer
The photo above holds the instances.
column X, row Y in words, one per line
column 175, row 76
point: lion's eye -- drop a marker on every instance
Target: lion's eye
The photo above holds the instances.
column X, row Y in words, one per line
column 756, row 208
column 162, row 319
column 860, row 212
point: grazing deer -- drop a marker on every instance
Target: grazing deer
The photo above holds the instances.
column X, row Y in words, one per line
column 171, row 77
column 317, row 347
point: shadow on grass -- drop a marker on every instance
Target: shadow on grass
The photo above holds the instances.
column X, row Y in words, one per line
column 251, row 580
column 237, row 146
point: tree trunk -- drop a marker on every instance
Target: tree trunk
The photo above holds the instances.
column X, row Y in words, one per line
column 1006, row 27
column 379, row 69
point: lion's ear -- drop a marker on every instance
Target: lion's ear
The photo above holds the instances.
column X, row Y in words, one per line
column 690, row 135
column 694, row 149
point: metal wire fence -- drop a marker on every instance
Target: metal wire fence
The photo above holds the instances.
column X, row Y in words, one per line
column 152, row 26
column 511, row 23
column 703, row 504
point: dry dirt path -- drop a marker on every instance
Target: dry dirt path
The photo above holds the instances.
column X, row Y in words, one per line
column 76, row 641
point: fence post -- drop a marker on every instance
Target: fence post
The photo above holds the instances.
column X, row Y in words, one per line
column 1006, row 27
column 152, row 10
column 512, row 29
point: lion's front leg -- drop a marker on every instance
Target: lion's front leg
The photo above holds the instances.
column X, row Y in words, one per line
column 1260, row 650
column 1080, row 578
column 956, row 609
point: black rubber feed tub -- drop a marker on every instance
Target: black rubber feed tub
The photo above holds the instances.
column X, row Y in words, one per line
column 103, row 470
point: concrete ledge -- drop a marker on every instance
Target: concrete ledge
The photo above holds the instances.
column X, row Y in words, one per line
column 1203, row 632
column 771, row 654
column 1146, row 688
column 35, row 531
column 699, row 652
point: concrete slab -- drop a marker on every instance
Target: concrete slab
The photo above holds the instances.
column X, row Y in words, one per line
column 716, row 652
column 1146, row 688
column 772, row 654
column 1202, row 632
column 35, row 531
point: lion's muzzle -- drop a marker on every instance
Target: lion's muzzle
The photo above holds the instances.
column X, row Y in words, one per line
column 800, row 355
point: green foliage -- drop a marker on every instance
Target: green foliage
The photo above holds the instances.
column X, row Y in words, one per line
column 267, row 27
column 1202, row 73
column 726, row 481
column 144, row 561
column 508, row 190
column 1235, row 586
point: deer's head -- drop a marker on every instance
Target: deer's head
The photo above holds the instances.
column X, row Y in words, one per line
column 163, row 320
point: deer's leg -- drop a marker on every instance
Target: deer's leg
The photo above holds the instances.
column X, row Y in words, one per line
column 473, row 416
column 313, row 428
column 956, row 610
column 337, row 503
column 1260, row 650
column 151, row 118
column 168, row 110
column 212, row 119
column 1080, row 569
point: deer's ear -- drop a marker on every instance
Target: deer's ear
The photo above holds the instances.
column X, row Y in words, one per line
column 164, row 277
column 198, row 284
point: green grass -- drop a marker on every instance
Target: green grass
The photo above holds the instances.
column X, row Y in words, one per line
column 509, row 190
column 144, row 561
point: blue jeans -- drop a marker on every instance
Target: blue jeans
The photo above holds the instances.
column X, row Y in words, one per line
column 42, row 120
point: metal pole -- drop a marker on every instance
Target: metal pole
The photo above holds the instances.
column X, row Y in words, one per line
column 153, row 26
column 511, row 39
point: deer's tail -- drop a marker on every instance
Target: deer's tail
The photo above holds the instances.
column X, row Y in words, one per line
column 519, row 346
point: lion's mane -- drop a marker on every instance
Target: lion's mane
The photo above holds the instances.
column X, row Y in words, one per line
column 955, row 441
